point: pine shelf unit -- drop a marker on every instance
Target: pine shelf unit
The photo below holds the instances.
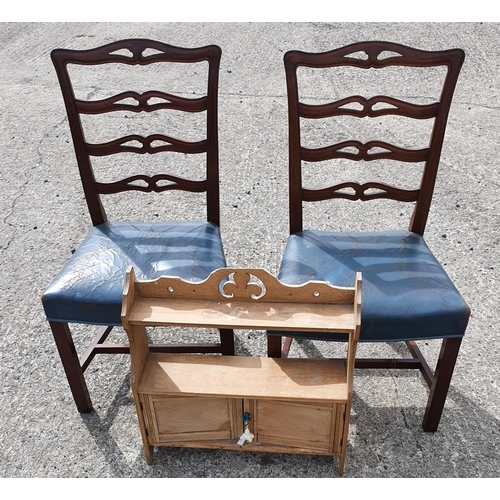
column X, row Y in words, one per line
column 293, row 405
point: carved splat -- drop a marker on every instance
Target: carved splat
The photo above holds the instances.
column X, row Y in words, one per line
column 157, row 183
column 152, row 144
column 356, row 151
column 148, row 101
column 355, row 191
column 373, row 107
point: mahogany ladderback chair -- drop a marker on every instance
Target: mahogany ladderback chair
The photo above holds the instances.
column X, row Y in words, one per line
column 88, row 290
column 407, row 295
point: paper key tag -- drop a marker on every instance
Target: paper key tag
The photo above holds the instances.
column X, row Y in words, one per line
column 246, row 436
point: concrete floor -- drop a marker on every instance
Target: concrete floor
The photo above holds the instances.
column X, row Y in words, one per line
column 44, row 217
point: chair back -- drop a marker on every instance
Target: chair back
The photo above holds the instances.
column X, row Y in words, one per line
column 368, row 56
column 142, row 52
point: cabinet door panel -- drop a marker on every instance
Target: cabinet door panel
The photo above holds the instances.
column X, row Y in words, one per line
column 191, row 418
column 300, row 425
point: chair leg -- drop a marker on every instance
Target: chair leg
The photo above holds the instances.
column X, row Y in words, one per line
column 287, row 343
column 441, row 383
column 274, row 346
column 227, row 342
column 71, row 364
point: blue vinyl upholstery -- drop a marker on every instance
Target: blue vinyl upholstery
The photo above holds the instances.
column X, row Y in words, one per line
column 89, row 288
column 406, row 293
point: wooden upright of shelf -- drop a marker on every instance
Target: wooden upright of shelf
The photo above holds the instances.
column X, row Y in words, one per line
column 284, row 405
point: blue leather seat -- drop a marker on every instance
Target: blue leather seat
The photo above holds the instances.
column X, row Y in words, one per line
column 89, row 288
column 407, row 294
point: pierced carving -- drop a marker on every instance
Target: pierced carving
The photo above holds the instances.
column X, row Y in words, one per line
column 151, row 100
column 151, row 52
column 373, row 150
column 360, row 54
column 122, row 52
column 157, row 183
column 355, row 191
column 133, row 144
column 245, row 285
column 242, row 285
column 383, row 105
column 375, row 56
column 157, row 100
column 349, row 149
column 388, row 54
column 375, row 106
column 354, row 105
column 377, row 150
column 132, row 102
column 158, row 143
column 142, row 145
column 349, row 191
column 137, row 53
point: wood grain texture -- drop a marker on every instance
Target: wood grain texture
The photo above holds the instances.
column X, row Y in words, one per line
column 242, row 315
column 244, row 377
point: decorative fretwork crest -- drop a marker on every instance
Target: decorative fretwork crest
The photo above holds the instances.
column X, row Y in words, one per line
column 244, row 285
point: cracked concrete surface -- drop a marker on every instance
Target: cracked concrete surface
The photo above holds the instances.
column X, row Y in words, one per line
column 44, row 218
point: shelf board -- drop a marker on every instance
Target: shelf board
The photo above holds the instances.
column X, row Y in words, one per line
column 244, row 377
column 335, row 318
